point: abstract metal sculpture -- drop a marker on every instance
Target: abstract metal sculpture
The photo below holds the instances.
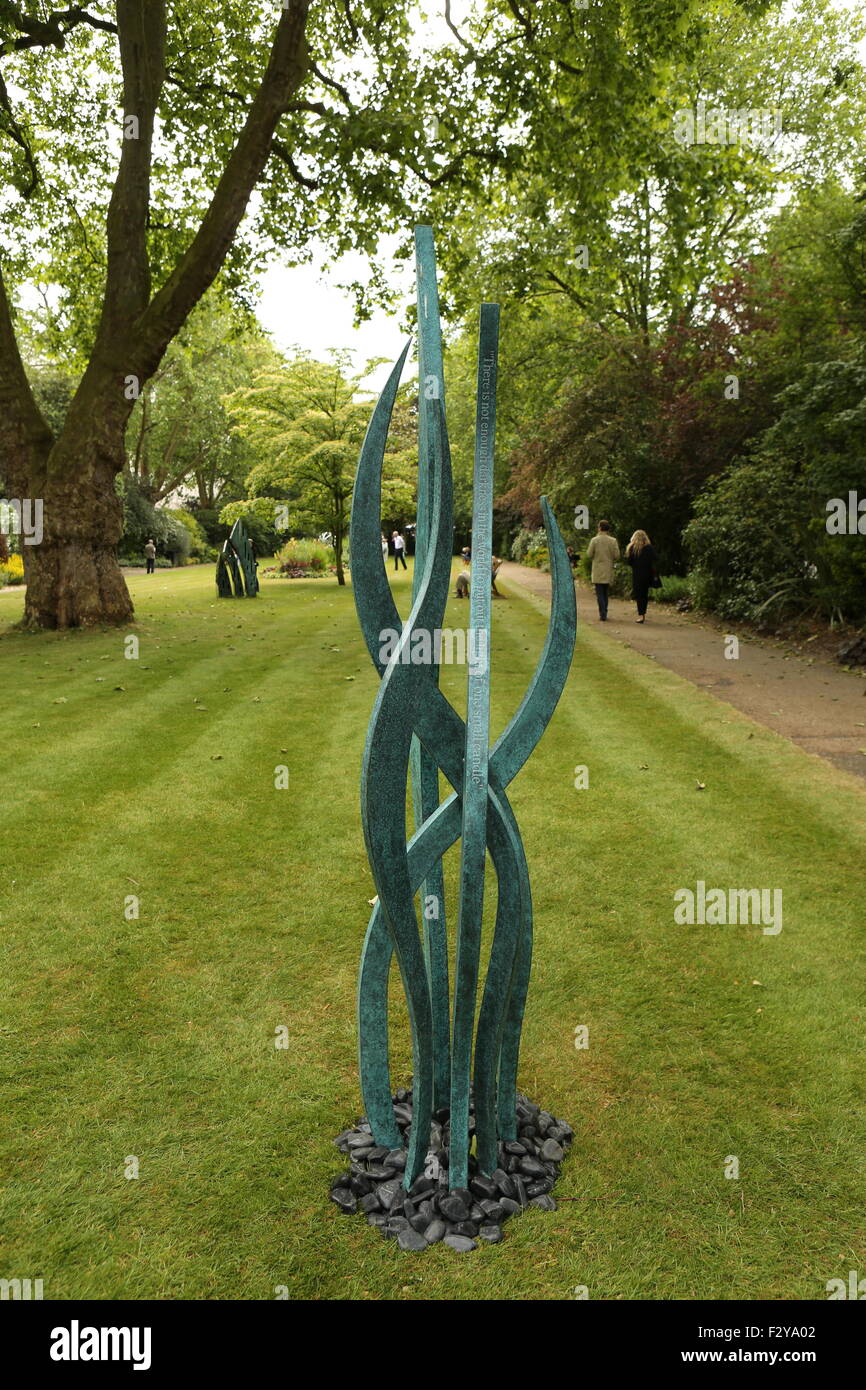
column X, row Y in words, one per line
column 236, row 575
column 414, row 728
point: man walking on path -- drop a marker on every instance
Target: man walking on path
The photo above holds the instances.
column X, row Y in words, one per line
column 603, row 551
column 150, row 557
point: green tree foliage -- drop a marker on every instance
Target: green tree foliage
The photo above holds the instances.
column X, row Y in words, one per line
column 306, row 421
column 179, row 434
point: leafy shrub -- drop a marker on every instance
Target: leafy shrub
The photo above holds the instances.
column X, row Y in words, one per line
column 142, row 521
column 12, row 571
column 674, row 587
column 752, row 541
column 303, row 559
column 530, row 548
column 162, row 562
column 200, row 549
column 759, row 542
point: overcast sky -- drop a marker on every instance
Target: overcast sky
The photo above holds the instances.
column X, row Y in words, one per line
column 304, row 308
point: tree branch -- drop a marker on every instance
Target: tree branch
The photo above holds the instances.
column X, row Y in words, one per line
column 287, row 67
column 17, row 133
column 281, row 151
column 332, row 83
column 142, row 27
column 455, row 31
column 24, row 432
column 50, row 32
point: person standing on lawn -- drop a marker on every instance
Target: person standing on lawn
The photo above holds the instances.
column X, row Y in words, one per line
column 150, row 557
column 603, row 551
column 399, row 550
column 644, row 575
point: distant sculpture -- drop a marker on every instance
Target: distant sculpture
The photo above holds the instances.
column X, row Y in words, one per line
column 415, row 730
column 236, row 574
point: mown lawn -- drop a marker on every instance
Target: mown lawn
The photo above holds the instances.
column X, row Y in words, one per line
column 155, row 1038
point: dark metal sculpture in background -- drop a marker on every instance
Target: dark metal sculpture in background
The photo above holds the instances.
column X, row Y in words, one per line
column 414, row 729
column 236, row 575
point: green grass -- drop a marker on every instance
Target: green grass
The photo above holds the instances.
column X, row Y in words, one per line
column 155, row 1037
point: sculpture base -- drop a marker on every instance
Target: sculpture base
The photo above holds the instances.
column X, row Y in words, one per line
column 429, row 1213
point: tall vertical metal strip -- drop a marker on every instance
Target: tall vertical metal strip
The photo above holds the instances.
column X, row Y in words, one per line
column 425, row 773
column 475, row 778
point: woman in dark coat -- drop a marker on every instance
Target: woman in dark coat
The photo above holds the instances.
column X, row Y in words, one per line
column 642, row 558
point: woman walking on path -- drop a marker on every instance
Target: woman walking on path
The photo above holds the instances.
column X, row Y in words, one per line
column 642, row 558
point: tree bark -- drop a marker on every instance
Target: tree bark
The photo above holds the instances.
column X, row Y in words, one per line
column 72, row 576
column 338, row 554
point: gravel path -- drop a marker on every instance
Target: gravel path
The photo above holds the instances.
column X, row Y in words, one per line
column 807, row 699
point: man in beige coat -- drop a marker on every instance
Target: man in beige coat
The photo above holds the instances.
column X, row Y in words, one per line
column 603, row 551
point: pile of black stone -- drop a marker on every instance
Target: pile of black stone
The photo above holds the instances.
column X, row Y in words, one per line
column 429, row 1212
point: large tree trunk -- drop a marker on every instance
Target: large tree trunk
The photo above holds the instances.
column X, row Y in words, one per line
column 73, row 578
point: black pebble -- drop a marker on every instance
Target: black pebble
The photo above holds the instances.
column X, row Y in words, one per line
column 492, row 1234
column 532, row 1168
column 483, row 1187
column 461, row 1243
column 388, row 1192
column 538, row 1187
column 453, row 1207
column 411, row 1240
column 466, row 1228
column 504, row 1183
column 544, row 1202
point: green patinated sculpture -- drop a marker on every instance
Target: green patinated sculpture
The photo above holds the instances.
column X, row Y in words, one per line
column 414, row 731
column 236, row 575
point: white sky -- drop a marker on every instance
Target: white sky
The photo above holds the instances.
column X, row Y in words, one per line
column 302, row 307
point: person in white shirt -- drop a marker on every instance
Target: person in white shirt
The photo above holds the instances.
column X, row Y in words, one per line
column 399, row 550
column 384, row 550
